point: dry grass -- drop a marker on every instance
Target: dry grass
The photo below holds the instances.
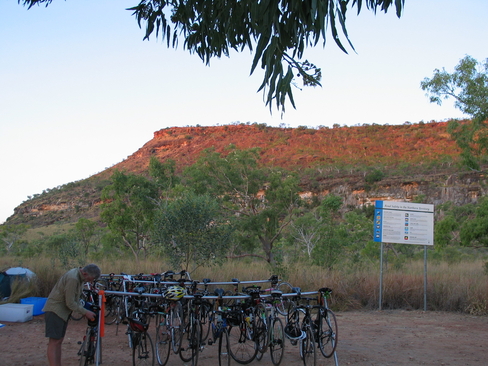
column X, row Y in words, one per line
column 461, row 287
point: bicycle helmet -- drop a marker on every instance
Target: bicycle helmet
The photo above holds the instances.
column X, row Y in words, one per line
column 293, row 332
column 174, row 293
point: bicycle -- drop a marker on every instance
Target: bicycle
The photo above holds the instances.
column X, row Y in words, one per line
column 325, row 325
column 299, row 329
column 243, row 344
column 192, row 342
column 113, row 303
column 219, row 328
column 90, row 350
column 269, row 328
column 169, row 324
column 141, row 342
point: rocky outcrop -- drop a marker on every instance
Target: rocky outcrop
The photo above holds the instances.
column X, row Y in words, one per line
column 324, row 152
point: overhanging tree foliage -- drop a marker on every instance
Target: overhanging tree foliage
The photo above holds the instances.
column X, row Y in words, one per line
column 277, row 31
column 468, row 85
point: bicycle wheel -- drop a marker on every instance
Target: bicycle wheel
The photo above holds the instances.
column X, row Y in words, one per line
column 261, row 330
column 285, row 304
column 242, row 347
column 163, row 344
column 190, row 345
column 142, row 350
column 277, row 341
column 307, row 348
column 205, row 320
column 177, row 327
column 112, row 310
column 326, row 332
column 224, row 356
column 87, row 349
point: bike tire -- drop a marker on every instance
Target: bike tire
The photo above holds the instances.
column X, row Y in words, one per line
column 261, row 330
column 242, row 347
column 205, row 320
column 87, row 350
column 285, row 303
column 190, row 345
column 163, row 345
column 307, row 348
column 277, row 341
column 224, row 355
column 327, row 332
column 83, row 352
column 177, row 327
column 143, row 350
column 112, row 310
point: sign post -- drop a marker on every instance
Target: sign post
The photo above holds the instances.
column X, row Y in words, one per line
column 404, row 223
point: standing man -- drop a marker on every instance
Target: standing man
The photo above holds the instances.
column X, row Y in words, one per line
column 64, row 299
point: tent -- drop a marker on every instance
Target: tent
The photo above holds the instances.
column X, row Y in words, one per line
column 5, row 289
column 21, row 272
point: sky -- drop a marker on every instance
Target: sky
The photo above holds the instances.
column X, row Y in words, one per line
column 81, row 91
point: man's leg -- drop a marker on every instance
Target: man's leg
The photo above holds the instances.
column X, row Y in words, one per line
column 55, row 331
column 54, row 351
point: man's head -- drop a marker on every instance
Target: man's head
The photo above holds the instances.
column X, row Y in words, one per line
column 91, row 272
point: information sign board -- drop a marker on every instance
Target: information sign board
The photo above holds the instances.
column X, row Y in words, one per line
column 404, row 223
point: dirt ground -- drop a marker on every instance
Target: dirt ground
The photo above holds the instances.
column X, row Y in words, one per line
column 373, row 338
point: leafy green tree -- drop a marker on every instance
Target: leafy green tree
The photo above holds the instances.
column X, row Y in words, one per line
column 260, row 201
column 164, row 174
column 468, row 85
column 329, row 250
column 12, row 235
column 278, row 31
column 65, row 247
column 474, row 232
column 85, row 230
column 191, row 230
column 449, row 221
column 128, row 209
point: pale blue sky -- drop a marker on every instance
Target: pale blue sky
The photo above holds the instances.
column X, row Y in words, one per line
column 80, row 90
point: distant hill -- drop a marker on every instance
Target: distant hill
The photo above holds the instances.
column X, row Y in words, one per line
column 415, row 158
column 302, row 147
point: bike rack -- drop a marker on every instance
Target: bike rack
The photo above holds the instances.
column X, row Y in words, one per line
column 209, row 297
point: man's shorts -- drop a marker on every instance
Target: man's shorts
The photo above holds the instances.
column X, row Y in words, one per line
column 55, row 326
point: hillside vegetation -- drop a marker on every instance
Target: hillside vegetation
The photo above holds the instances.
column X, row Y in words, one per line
column 322, row 156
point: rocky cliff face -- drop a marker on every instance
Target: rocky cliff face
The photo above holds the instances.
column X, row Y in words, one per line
column 325, row 152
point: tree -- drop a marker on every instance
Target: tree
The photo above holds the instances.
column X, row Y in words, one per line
column 329, row 248
column 128, row 210
column 260, row 201
column 474, row 232
column 84, row 231
column 306, row 231
column 163, row 173
column 278, row 31
column 468, row 85
column 191, row 230
column 12, row 235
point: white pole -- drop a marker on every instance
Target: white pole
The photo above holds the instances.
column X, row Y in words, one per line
column 381, row 277
column 425, row 277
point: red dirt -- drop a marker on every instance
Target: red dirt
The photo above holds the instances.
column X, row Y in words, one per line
column 373, row 338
